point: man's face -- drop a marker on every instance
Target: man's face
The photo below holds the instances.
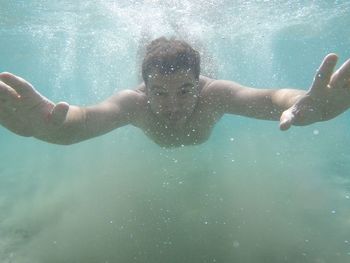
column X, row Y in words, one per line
column 172, row 97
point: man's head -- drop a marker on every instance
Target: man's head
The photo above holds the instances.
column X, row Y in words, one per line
column 170, row 70
column 169, row 56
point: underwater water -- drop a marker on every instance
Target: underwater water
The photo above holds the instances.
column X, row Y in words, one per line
column 251, row 193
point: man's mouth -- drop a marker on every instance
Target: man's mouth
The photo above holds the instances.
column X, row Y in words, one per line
column 174, row 117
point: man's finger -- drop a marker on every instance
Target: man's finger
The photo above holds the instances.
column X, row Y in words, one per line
column 17, row 83
column 324, row 72
column 342, row 76
column 7, row 94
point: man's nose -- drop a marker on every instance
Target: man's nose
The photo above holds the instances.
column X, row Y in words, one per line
column 173, row 106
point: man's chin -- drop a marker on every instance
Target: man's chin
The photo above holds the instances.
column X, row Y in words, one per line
column 173, row 121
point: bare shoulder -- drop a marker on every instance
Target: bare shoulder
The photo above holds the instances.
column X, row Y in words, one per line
column 124, row 104
column 122, row 108
column 129, row 96
column 213, row 86
column 216, row 91
column 128, row 99
column 227, row 96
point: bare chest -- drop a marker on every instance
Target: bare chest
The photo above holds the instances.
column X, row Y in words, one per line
column 195, row 130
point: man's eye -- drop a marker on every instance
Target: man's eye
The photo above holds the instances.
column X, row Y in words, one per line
column 186, row 91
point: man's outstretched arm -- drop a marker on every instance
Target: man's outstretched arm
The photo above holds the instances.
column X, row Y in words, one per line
column 328, row 97
column 26, row 112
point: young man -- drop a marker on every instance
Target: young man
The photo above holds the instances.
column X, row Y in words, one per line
column 174, row 105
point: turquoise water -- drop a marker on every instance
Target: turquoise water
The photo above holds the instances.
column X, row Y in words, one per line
column 249, row 194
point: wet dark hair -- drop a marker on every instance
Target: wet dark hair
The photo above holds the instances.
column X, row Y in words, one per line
column 169, row 56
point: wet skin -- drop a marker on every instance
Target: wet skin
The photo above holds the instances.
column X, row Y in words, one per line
column 173, row 109
column 176, row 110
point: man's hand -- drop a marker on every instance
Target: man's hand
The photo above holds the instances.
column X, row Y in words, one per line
column 26, row 112
column 328, row 96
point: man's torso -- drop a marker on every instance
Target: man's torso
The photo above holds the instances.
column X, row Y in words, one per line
column 195, row 130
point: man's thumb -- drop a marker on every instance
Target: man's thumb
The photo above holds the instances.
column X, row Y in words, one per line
column 59, row 113
column 286, row 120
